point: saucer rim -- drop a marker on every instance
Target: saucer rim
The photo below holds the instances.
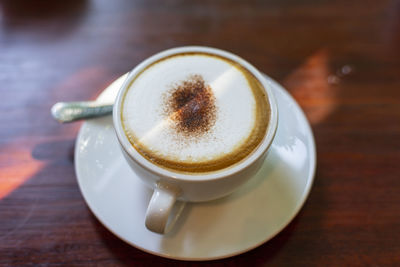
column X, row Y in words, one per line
column 310, row 180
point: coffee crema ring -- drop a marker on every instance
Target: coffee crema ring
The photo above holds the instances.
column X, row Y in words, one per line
column 195, row 113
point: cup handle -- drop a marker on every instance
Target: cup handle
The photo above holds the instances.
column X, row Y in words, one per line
column 160, row 208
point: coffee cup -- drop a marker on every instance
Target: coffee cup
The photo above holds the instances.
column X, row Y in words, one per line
column 194, row 123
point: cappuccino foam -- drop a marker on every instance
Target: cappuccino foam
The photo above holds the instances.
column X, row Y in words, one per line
column 195, row 112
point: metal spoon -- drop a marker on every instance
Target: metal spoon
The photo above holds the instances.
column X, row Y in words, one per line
column 73, row 111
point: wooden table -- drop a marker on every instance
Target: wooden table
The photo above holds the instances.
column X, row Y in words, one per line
column 339, row 59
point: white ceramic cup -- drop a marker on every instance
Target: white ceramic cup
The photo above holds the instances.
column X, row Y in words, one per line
column 170, row 186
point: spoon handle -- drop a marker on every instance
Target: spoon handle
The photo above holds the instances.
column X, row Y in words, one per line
column 72, row 111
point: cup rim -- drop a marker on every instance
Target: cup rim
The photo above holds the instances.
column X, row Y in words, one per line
column 175, row 175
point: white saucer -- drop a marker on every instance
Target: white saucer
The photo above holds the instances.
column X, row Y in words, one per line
column 249, row 217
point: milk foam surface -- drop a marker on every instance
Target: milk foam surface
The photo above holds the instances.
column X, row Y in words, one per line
column 145, row 120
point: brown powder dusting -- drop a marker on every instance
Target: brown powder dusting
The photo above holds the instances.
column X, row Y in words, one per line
column 190, row 104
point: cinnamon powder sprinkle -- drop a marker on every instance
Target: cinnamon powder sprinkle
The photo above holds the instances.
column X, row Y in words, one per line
column 190, row 104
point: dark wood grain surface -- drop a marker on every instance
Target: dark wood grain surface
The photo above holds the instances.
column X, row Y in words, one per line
column 339, row 59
